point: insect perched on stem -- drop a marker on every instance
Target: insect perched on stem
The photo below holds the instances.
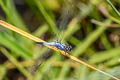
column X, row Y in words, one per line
column 58, row 45
column 67, row 15
column 62, row 22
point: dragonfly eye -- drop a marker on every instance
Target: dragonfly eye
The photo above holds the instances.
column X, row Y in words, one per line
column 68, row 48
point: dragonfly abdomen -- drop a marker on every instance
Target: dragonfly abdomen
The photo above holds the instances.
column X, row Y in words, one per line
column 46, row 43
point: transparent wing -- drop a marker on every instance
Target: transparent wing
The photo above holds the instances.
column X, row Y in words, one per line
column 39, row 61
column 66, row 16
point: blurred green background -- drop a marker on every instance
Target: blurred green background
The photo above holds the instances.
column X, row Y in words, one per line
column 90, row 26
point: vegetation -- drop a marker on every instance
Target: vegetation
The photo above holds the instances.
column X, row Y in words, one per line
column 91, row 27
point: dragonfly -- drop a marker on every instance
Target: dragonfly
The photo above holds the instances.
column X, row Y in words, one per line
column 62, row 22
column 67, row 48
column 67, row 14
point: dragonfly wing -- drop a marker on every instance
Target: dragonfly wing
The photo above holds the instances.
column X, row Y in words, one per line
column 40, row 60
column 65, row 18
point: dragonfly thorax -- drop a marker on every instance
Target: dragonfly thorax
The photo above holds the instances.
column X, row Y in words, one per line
column 60, row 45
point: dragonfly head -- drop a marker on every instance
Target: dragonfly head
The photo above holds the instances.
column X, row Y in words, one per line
column 68, row 48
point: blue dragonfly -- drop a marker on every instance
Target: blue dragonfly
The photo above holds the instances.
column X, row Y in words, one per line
column 58, row 45
column 62, row 23
column 66, row 16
